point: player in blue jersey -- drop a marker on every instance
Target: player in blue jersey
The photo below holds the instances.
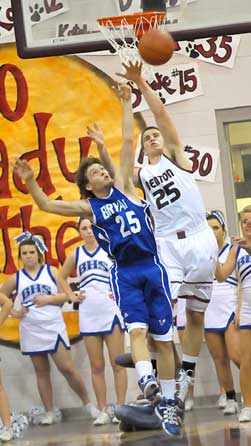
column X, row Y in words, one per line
column 122, row 225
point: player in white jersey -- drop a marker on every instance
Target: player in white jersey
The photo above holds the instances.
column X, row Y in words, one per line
column 186, row 244
column 42, row 328
column 221, row 320
column 240, row 259
column 100, row 320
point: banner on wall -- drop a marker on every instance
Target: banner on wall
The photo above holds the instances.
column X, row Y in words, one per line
column 6, row 21
column 204, row 160
column 49, row 130
column 174, row 83
column 39, row 12
column 131, row 6
column 221, row 51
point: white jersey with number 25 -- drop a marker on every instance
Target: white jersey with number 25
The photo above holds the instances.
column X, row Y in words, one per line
column 174, row 197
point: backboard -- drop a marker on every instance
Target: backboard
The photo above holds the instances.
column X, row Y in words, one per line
column 54, row 27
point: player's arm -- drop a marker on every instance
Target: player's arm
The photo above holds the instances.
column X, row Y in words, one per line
column 135, row 178
column 6, row 305
column 173, row 145
column 96, row 134
column 126, row 167
column 223, row 271
column 67, row 208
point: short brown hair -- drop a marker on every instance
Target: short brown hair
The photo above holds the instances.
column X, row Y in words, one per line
column 31, row 242
column 150, row 127
column 81, row 177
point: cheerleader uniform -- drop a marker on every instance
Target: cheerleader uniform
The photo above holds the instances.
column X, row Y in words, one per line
column 42, row 328
column 98, row 312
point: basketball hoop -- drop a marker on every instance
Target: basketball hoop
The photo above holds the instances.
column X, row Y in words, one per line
column 124, row 32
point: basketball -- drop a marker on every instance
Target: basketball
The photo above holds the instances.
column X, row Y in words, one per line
column 155, row 47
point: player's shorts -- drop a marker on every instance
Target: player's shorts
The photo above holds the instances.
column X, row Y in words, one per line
column 245, row 313
column 143, row 295
column 221, row 308
column 181, row 314
column 190, row 262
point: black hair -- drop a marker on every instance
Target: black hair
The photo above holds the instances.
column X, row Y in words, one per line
column 218, row 215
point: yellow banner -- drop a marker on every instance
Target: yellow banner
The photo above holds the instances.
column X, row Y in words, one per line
column 45, row 106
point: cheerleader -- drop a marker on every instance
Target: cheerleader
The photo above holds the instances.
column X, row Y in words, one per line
column 240, row 259
column 42, row 329
column 100, row 321
column 222, row 319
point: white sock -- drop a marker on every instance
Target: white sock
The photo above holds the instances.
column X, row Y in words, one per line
column 143, row 368
column 189, row 358
column 168, row 388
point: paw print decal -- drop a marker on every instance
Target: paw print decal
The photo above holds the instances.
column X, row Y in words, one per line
column 191, row 50
column 36, row 12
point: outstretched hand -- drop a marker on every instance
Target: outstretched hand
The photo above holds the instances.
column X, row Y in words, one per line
column 23, row 169
column 96, row 134
column 133, row 71
column 124, row 91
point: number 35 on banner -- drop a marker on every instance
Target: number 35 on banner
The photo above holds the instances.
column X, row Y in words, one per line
column 204, row 161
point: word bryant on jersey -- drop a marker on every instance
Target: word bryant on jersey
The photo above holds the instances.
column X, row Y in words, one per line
column 112, row 208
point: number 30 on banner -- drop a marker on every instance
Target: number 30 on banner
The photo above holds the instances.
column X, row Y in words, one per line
column 205, row 161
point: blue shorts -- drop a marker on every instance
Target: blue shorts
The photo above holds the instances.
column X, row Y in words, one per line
column 142, row 292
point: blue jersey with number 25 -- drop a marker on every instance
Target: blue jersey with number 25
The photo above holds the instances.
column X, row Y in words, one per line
column 123, row 227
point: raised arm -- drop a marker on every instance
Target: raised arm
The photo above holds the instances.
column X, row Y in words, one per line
column 173, row 146
column 67, row 208
column 126, row 167
column 96, row 134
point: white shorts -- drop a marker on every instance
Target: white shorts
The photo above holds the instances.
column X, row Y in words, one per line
column 98, row 315
column 221, row 308
column 245, row 313
column 181, row 305
column 167, row 337
column 42, row 336
column 190, row 263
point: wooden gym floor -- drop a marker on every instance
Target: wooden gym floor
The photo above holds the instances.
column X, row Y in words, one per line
column 203, row 427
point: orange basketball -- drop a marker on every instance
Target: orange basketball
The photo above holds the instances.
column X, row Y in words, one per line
column 155, row 47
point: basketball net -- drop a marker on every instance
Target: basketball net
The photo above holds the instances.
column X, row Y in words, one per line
column 124, row 32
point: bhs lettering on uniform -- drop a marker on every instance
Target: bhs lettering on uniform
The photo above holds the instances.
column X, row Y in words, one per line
column 159, row 179
column 93, row 264
column 31, row 291
column 243, row 260
column 112, row 208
